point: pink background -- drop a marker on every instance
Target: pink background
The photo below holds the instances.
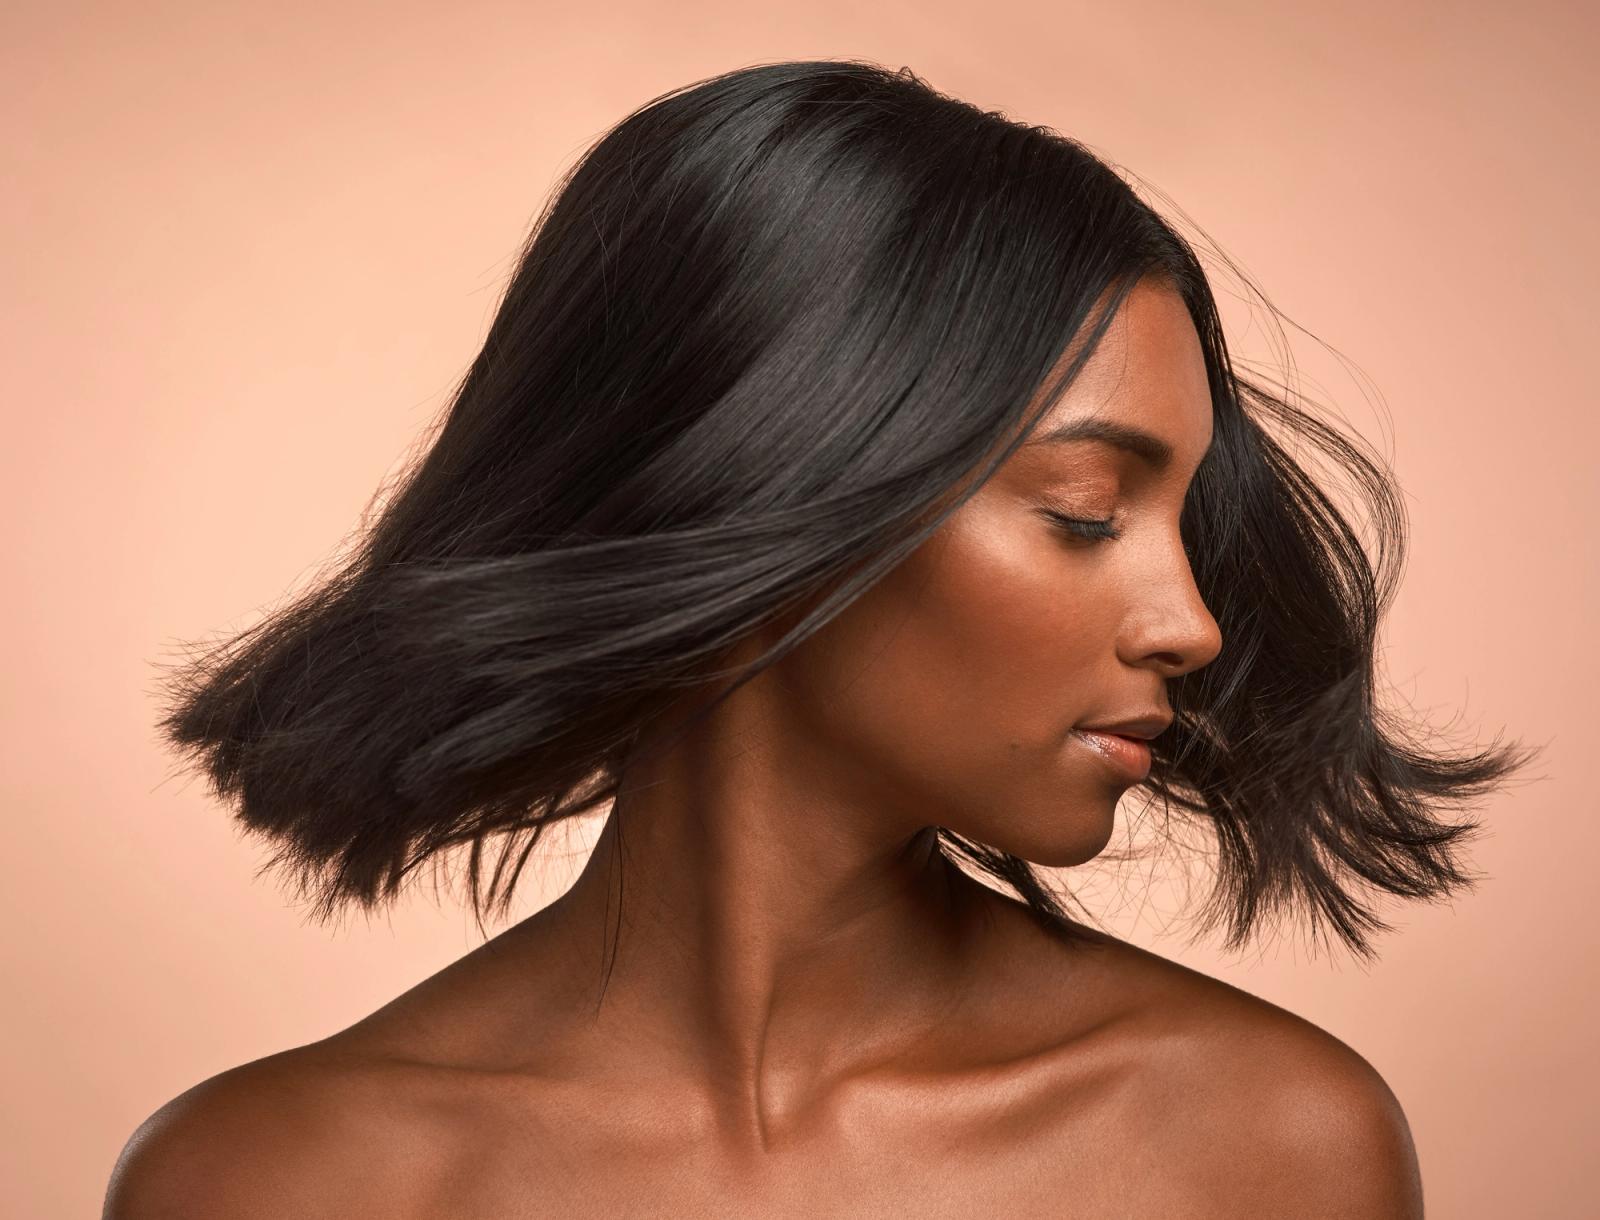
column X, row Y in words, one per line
column 251, row 247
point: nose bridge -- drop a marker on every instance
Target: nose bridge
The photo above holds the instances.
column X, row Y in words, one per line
column 1172, row 626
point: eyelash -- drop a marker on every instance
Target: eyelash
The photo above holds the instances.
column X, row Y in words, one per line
column 1084, row 527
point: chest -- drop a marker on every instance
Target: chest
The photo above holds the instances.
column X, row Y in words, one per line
column 1096, row 1167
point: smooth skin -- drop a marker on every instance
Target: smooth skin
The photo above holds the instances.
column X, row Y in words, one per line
column 810, row 1013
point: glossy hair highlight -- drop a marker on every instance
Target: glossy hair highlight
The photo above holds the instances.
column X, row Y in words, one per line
column 761, row 330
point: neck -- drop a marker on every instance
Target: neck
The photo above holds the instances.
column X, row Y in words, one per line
column 777, row 934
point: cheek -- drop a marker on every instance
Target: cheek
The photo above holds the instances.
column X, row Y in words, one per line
column 957, row 677
column 1023, row 620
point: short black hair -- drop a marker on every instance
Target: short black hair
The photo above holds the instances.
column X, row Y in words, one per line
column 760, row 331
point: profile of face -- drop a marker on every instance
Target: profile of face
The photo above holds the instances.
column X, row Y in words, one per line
column 951, row 689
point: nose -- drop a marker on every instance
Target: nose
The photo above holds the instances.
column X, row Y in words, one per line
column 1171, row 629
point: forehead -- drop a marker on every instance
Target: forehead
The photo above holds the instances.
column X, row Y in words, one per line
column 1148, row 372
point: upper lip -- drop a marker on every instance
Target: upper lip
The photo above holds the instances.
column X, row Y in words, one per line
column 1143, row 727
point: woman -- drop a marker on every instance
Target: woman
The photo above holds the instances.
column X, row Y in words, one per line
column 854, row 494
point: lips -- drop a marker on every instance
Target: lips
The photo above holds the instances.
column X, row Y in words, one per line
column 1144, row 727
column 1129, row 757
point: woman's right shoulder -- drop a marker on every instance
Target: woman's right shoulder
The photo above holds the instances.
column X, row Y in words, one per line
column 300, row 1133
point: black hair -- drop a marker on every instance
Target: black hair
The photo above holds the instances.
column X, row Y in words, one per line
column 760, row 331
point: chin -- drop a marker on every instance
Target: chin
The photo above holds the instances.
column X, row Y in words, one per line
column 1062, row 857
column 1057, row 828
column 1055, row 850
column 1083, row 842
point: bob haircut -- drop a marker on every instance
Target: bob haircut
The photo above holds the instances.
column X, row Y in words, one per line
column 764, row 338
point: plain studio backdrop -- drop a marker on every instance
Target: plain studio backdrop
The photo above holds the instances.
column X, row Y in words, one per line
column 249, row 249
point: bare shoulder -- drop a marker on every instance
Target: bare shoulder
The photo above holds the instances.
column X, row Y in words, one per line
column 1263, row 1111
column 310, row 1132
column 375, row 1120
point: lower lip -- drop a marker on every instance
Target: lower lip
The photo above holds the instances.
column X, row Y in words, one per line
column 1129, row 756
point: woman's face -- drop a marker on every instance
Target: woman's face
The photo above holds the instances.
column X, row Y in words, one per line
column 953, row 687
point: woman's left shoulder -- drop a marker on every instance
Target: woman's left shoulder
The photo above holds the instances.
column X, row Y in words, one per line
column 1264, row 1104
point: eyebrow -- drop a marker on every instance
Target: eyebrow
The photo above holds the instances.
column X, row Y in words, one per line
column 1155, row 452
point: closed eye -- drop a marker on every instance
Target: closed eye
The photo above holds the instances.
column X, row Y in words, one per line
column 1093, row 529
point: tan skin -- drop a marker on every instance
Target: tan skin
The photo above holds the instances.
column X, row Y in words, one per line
column 809, row 1014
